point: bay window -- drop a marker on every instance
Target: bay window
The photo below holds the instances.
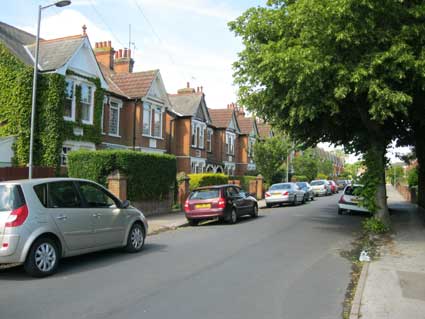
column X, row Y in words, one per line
column 147, row 119
column 193, row 135
column 209, row 139
column 230, row 143
column 157, row 123
column 152, row 121
column 69, row 97
column 85, row 114
column 86, row 103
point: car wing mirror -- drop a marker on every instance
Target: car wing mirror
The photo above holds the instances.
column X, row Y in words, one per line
column 125, row 204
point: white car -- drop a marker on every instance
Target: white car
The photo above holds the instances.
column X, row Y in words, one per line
column 349, row 201
column 284, row 193
column 321, row 187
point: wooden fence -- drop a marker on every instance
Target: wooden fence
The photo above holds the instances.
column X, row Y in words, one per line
column 14, row 173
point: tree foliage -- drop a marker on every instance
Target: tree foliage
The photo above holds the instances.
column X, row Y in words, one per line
column 269, row 155
column 306, row 165
column 342, row 71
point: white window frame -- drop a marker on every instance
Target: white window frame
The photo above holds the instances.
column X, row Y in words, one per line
column 193, row 136
column 230, row 143
column 153, row 108
column 102, row 120
column 210, row 133
column 79, row 81
column 75, row 145
column 118, row 108
column 198, row 131
column 72, row 118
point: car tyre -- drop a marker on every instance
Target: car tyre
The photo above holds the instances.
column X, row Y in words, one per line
column 268, row 205
column 233, row 217
column 193, row 222
column 304, row 200
column 135, row 239
column 294, row 203
column 43, row 258
column 254, row 213
column 340, row 211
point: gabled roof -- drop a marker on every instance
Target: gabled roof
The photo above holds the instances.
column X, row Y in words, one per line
column 190, row 104
column 15, row 40
column 186, row 104
column 247, row 125
column 54, row 54
column 134, row 85
column 224, row 118
column 107, row 74
column 264, row 129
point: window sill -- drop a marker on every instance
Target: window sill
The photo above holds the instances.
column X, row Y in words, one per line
column 114, row 135
column 68, row 119
column 154, row 137
column 87, row 123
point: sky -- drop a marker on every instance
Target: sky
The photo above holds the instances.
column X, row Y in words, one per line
column 188, row 40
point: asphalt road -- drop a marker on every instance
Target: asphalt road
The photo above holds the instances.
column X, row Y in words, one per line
column 284, row 264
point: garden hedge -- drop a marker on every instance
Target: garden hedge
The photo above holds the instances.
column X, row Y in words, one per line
column 150, row 176
column 244, row 180
column 207, row 179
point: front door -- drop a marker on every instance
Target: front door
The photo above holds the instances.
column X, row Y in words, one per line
column 74, row 221
column 109, row 218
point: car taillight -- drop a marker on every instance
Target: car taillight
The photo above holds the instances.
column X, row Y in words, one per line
column 285, row 193
column 268, row 194
column 342, row 200
column 186, row 206
column 17, row 217
column 221, row 202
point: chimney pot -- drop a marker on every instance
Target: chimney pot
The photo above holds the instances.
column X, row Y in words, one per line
column 197, row 89
column 187, row 84
column 129, row 53
column 105, row 44
column 120, row 53
column 96, row 45
column 202, row 89
column 125, row 52
column 109, row 44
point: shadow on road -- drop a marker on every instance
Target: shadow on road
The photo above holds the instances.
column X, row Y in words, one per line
column 87, row 262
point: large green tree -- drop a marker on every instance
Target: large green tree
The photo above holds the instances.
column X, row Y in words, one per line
column 334, row 71
column 269, row 155
column 306, row 164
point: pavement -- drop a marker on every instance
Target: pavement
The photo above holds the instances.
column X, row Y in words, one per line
column 395, row 283
column 284, row 264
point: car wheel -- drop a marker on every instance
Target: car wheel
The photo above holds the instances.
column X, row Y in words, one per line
column 135, row 239
column 294, row 203
column 193, row 222
column 254, row 213
column 268, row 205
column 43, row 258
column 340, row 211
column 233, row 218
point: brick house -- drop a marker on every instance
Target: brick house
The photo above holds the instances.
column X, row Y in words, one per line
column 192, row 138
column 135, row 107
column 72, row 58
column 227, row 132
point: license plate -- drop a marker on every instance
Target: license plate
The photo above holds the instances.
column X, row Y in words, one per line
column 355, row 200
column 199, row 206
column 276, row 194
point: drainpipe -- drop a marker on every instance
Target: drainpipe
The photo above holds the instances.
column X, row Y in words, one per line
column 134, row 125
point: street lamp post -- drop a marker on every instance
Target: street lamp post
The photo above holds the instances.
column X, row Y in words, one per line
column 34, row 81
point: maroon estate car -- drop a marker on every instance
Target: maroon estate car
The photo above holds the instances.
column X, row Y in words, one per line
column 334, row 187
column 225, row 202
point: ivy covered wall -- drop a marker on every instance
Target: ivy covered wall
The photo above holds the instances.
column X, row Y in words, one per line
column 51, row 129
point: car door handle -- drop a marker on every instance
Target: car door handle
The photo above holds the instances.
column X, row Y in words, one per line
column 96, row 215
column 62, row 217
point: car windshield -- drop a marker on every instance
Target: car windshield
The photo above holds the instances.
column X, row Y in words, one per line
column 205, row 193
column 280, row 186
column 340, row 181
column 302, row 184
column 10, row 197
column 316, row 183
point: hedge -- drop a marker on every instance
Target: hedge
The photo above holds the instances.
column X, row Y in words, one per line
column 150, row 176
column 299, row 178
column 207, row 179
column 244, row 180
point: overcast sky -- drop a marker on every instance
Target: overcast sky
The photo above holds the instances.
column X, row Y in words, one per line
column 188, row 40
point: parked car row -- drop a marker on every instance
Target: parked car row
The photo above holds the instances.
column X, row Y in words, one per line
column 44, row 220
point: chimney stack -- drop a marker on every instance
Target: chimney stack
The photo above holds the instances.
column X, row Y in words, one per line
column 186, row 90
column 123, row 61
column 104, row 53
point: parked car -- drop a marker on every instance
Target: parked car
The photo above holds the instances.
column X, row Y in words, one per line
column 309, row 193
column 349, row 200
column 321, row 187
column 44, row 220
column 342, row 183
column 284, row 193
column 334, row 187
column 225, row 202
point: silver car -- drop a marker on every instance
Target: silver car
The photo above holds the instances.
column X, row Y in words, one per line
column 321, row 187
column 284, row 193
column 43, row 220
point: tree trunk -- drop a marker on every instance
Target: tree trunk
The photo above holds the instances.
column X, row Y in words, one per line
column 420, row 154
column 376, row 154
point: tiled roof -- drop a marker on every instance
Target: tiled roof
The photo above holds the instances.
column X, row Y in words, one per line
column 185, row 104
column 108, row 77
column 245, row 124
column 136, row 84
column 56, row 53
column 221, row 117
column 15, row 40
column 264, row 129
